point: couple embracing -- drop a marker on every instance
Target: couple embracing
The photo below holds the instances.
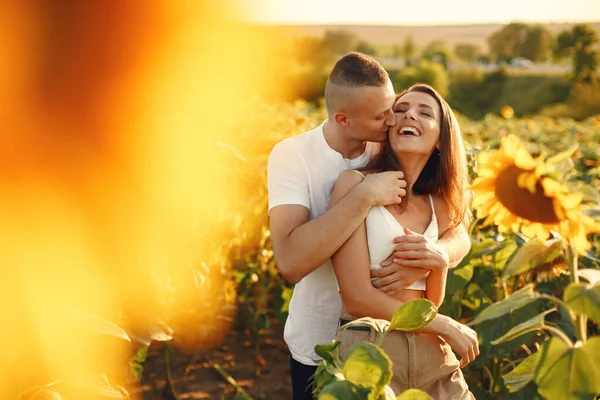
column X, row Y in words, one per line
column 367, row 212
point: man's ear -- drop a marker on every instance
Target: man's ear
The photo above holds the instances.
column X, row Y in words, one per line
column 341, row 119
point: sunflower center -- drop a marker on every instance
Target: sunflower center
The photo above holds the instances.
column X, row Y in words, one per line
column 535, row 207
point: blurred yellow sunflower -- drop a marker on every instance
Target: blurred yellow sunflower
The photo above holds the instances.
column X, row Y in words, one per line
column 514, row 192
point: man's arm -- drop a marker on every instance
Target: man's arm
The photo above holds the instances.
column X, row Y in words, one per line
column 415, row 255
column 456, row 243
column 301, row 245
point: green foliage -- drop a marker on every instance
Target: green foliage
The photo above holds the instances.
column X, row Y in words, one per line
column 475, row 94
column 583, row 101
column 431, row 73
column 438, row 52
column 366, row 371
column 579, row 43
column 467, row 51
column 409, row 49
column 533, row 42
column 538, row 44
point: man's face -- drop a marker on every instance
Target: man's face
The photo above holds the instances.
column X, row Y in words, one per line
column 372, row 114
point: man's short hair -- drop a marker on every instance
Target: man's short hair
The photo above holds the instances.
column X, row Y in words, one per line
column 354, row 70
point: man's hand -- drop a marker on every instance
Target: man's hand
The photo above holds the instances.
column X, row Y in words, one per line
column 392, row 277
column 384, row 188
column 415, row 250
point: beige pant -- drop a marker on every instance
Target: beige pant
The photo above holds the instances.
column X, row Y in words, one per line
column 419, row 361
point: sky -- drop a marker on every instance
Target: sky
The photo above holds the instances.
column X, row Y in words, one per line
column 418, row 12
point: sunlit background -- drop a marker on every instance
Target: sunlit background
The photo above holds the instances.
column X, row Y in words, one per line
column 133, row 147
column 114, row 184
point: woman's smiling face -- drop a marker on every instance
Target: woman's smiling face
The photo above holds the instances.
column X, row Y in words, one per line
column 417, row 128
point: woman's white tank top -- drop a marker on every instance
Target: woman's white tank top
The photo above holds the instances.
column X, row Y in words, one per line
column 382, row 228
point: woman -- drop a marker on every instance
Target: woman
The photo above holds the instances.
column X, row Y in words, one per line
column 426, row 145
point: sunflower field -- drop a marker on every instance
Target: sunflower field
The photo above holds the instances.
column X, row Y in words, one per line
column 530, row 285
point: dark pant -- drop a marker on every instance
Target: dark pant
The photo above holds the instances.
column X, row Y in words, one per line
column 301, row 374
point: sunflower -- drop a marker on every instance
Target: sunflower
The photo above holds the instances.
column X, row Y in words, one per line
column 516, row 191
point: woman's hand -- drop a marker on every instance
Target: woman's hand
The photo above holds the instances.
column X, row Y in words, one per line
column 462, row 339
column 415, row 250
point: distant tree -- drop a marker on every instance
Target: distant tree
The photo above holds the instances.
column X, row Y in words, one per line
column 433, row 74
column 505, row 43
column 467, row 51
column 340, row 41
column 484, row 59
column 409, row 50
column 537, row 45
column 438, row 51
column 579, row 43
column 312, row 50
column 366, row 48
column 396, row 51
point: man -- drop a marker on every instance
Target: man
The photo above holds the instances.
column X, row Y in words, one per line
column 301, row 174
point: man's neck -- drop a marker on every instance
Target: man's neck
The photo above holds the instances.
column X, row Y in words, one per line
column 337, row 139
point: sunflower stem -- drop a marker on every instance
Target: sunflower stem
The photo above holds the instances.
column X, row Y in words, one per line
column 559, row 333
column 572, row 261
column 561, row 303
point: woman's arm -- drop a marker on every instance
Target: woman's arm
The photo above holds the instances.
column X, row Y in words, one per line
column 436, row 286
column 351, row 266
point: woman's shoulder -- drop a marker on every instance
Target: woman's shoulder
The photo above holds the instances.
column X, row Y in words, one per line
column 442, row 211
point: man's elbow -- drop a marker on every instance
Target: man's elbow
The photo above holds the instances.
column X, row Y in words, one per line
column 289, row 272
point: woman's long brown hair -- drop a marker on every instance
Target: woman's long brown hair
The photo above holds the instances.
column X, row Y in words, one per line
column 446, row 171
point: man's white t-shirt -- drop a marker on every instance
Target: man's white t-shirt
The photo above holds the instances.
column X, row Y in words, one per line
column 302, row 170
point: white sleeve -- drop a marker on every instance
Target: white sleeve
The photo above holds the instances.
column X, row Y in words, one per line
column 287, row 176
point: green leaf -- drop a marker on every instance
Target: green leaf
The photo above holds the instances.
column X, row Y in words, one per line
column 504, row 254
column 413, row 315
column 136, row 363
column 326, row 351
column 533, row 324
column 563, row 155
column 459, row 277
column 379, row 325
column 569, row 372
column 518, row 299
column 414, row 394
column 343, row 390
column 486, row 247
column 100, row 325
column 522, row 374
column 584, row 299
column 491, row 330
column 533, row 253
column 367, row 365
column 589, row 274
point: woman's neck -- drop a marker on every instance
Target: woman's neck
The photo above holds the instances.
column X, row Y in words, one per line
column 412, row 165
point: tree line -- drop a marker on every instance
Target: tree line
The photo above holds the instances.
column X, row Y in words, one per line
column 533, row 42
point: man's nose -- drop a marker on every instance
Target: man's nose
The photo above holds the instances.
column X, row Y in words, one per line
column 390, row 118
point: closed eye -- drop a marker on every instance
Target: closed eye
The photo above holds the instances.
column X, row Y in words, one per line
column 399, row 111
column 426, row 114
